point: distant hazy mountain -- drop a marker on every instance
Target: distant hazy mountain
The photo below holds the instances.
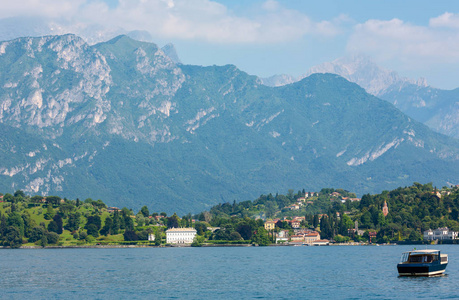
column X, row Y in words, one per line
column 122, row 122
column 363, row 71
column 438, row 109
column 278, row 80
column 169, row 50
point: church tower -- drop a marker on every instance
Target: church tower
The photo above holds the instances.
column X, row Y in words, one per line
column 385, row 209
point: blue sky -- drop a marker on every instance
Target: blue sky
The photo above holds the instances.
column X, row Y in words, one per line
column 267, row 37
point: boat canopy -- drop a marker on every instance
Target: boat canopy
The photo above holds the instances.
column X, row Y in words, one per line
column 420, row 252
column 418, row 256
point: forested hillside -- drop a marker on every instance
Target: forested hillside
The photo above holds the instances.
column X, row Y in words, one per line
column 121, row 122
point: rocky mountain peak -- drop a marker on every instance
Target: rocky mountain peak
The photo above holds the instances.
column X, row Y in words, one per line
column 365, row 72
column 171, row 52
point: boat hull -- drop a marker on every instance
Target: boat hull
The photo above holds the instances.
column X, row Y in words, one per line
column 421, row 269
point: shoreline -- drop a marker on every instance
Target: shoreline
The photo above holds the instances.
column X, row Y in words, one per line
column 189, row 246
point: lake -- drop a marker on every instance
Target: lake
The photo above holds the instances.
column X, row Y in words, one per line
column 338, row 272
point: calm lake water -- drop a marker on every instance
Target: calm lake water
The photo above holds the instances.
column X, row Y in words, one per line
column 338, row 272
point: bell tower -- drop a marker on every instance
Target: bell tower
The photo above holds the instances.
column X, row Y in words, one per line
column 385, row 209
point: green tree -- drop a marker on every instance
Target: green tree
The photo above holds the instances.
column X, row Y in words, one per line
column 145, row 212
column 270, row 209
column 53, row 227
column 173, row 221
column 158, row 238
column 66, row 208
column 200, row 227
column 128, row 223
column 8, row 198
column 54, row 200
column 365, row 220
column 49, row 212
column 52, row 237
column 13, row 237
column 261, row 237
column 142, row 235
column 93, row 230
column 315, row 221
column 15, row 220
column 36, row 234
column 19, row 193
column 116, row 223
column 3, row 226
column 107, row 229
column 245, row 230
column 29, row 223
column 130, row 235
column 36, row 199
column 58, row 219
column 197, row 241
column 235, row 236
column 44, row 241
column 94, row 219
column 325, row 228
column 140, row 219
column 73, row 222
column 415, row 236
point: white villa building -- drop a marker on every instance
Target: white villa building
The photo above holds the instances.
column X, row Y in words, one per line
column 440, row 234
column 180, row 235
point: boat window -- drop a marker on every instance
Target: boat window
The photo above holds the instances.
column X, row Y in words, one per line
column 415, row 258
column 428, row 258
column 404, row 257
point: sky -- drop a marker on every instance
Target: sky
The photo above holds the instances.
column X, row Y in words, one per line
column 266, row 37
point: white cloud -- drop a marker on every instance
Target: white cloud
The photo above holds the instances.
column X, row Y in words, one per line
column 410, row 45
column 40, row 8
column 179, row 19
column 445, row 20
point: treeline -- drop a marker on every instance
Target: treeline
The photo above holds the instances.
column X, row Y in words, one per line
column 51, row 220
column 412, row 210
column 38, row 220
column 269, row 206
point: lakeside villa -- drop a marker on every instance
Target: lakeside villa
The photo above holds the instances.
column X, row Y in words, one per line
column 180, row 235
column 440, row 234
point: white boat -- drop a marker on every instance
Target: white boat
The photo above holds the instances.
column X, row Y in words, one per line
column 422, row 263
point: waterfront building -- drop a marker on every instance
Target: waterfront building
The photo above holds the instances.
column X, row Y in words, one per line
column 321, row 243
column 282, row 236
column 440, row 234
column 180, row 235
column 311, row 237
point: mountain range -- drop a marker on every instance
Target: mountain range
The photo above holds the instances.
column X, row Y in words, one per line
column 438, row 109
column 125, row 122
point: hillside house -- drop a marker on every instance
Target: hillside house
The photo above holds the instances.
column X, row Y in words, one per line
column 440, row 234
column 296, row 224
column 270, row 225
column 112, row 209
